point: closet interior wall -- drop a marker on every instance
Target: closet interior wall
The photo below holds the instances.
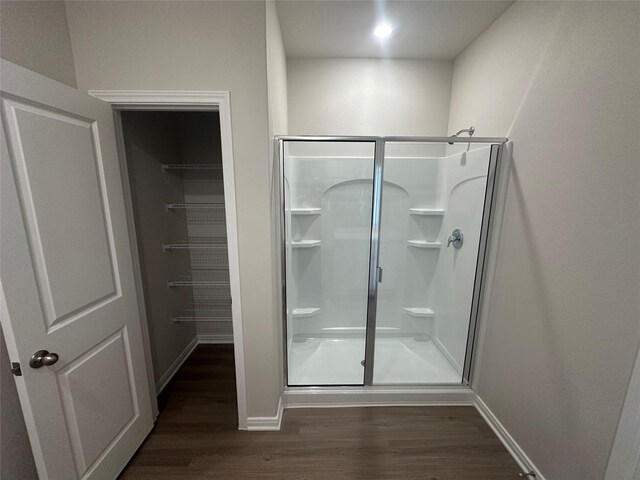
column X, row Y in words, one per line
column 206, row 227
column 174, row 163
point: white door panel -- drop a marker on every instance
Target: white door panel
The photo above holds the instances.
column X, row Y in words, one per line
column 67, row 278
column 58, row 173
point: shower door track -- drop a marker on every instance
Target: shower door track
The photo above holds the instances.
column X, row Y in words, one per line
column 368, row 388
column 378, row 395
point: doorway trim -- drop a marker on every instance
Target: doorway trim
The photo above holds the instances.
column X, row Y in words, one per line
column 192, row 100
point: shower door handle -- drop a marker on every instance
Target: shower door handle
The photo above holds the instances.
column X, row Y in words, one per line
column 456, row 239
column 379, row 274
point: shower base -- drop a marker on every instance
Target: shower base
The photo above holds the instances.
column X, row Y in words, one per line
column 399, row 361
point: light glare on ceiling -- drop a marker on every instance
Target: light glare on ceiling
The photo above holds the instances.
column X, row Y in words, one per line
column 383, row 31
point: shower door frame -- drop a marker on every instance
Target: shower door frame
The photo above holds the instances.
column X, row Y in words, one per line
column 497, row 146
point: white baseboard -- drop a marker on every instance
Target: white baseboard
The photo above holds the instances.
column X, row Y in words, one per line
column 521, row 458
column 166, row 377
column 215, row 339
column 266, row 424
column 376, row 396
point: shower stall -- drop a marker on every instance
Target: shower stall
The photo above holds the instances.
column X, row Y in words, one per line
column 383, row 248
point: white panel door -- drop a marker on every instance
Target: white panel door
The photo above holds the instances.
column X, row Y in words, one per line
column 67, row 278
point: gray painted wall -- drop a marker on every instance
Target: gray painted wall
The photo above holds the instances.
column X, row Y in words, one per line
column 278, row 125
column 33, row 35
column 360, row 96
column 624, row 461
column 561, row 80
column 151, row 139
column 143, row 46
column 276, row 73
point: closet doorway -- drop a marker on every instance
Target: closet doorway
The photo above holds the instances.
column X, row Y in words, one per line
column 177, row 171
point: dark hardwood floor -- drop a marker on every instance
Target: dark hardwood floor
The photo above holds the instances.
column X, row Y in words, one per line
column 196, row 437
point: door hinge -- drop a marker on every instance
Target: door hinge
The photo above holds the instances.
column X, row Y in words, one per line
column 15, row 369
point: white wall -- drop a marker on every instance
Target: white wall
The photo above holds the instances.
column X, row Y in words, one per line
column 202, row 46
column 356, row 96
column 35, row 35
column 561, row 80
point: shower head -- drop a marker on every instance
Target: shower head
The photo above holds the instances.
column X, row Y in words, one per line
column 471, row 130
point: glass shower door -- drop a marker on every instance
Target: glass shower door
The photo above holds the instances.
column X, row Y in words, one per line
column 327, row 194
column 432, row 211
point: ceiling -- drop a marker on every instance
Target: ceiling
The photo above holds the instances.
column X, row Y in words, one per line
column 422, row 29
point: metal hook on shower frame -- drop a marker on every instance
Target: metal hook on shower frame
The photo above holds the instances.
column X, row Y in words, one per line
column 471, row 130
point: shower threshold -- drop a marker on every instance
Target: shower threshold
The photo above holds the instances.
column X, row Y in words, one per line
column 336, row 360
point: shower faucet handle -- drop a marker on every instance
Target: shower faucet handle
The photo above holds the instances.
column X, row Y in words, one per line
column 456, row 238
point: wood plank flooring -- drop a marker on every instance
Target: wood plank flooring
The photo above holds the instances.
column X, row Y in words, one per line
column 196, row 437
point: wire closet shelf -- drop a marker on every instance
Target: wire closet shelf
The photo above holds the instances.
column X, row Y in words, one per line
column 208, row 279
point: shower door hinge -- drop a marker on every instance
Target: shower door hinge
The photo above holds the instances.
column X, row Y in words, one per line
column 15, row 369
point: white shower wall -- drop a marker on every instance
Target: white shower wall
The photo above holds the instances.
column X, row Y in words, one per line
column 329, row 278
column 464, row 190
column 329, row 281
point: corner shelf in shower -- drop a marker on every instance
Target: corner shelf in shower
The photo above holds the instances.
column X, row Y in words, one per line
column 304, row 312
column 197, row 243
column 432, row 212
column 424, row 244
column 423, row 312
column 305, row 244
column 306, row 211
column 191, row 166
